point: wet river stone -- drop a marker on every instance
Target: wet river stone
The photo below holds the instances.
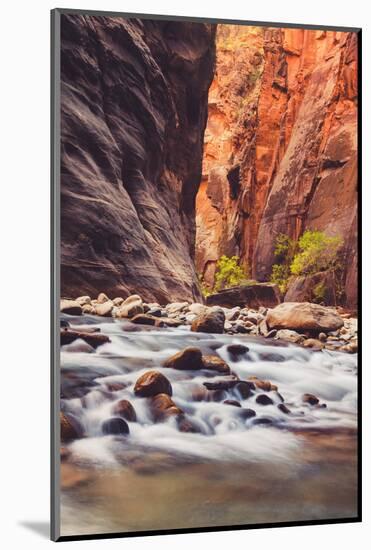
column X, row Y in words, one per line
column 163, row 407
column 125, row 409
column 186, row 359
column 151, row 383
column 71, row 428
column 211, row 321
column 115, row 426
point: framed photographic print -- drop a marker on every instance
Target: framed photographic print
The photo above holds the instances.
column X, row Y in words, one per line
column 205, row 296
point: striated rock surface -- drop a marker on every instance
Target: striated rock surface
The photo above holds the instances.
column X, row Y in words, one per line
column 280, row 147
column 133, row 113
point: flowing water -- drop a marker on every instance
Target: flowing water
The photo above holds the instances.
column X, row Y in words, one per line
column 271, row 468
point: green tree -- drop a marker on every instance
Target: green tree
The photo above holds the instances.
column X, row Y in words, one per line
column 229, row 273
column 284, row 250
column 317, row 252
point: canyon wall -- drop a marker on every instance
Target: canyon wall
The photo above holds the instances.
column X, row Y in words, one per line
column 281, row 152
column 133, row 113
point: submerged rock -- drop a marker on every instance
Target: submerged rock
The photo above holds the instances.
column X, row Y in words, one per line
column 310, row 398
column 210, row 321
column 236, row 350
column 115, row 426
column 232, row 402
column 263, row 399
column 94, row 339
column 125, row 409
column 303, row 317
column 151, row 383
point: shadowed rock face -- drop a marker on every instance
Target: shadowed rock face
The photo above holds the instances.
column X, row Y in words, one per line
column 280, row 147
column 133, row 113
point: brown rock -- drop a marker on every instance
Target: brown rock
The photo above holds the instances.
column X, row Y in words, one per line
column 216, row 363
column 313, row 343
column 92, row 338
column 211, row 321
column 187, row 425
column 151, row 383
column 71, row 428
column 264, row 385
column 303, row 317
column 163, row 407
column 71, row 307
column 125, row 409
column 186, row 359
column 145, row 319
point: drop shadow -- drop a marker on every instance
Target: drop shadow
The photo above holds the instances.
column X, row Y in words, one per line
column 41, row 528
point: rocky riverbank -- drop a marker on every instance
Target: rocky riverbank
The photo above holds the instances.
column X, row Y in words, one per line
column 306, row 324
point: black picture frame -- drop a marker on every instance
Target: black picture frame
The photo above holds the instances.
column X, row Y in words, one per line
column 55, row 275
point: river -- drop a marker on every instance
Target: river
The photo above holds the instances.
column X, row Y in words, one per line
column 273, row 467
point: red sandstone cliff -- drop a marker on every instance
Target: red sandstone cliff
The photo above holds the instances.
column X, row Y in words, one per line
column 133, row 112
column 288, row 161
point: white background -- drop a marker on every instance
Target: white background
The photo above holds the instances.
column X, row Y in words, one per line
column 25, row 264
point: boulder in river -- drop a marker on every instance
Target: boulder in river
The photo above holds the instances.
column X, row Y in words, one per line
column 210, row 321
column 151, row 383
column 71, row 428
column 304, row 317
column 94, row 339
column 125, row 409
column 145, row 319
column 105, row 309
column 264, row 385
column 163, row 407
column 236, row 351
column 71, row 307
column 132, row 306
column 115, row 426
column 186, row 359
column 252, row 295
column 216, row 363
